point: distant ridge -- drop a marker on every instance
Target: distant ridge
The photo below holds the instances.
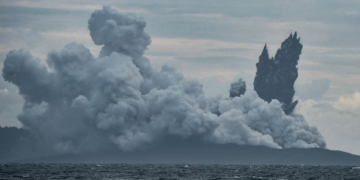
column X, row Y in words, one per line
column 207, row 153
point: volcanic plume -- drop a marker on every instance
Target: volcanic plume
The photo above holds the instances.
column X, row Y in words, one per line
column 77, row 102
column 275, row 77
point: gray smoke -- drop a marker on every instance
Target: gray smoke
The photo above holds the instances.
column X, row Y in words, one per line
column 275, row 77
column 80, row 103
column 118, row 32
column 237, row 88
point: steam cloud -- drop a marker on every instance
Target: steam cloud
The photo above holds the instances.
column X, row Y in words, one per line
column 77, row 103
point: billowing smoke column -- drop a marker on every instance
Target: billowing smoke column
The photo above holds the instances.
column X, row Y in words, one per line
column 78, row 103
column 275, row 77
column 237, row 88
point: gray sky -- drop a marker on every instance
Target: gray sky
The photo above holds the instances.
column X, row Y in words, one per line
column 215, row 42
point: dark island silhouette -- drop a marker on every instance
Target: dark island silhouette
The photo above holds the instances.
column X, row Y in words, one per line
column 18, row 149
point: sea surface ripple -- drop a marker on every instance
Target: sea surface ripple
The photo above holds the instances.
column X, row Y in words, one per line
column 175, row 172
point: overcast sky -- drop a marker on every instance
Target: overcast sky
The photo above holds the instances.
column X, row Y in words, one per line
column 215, row 42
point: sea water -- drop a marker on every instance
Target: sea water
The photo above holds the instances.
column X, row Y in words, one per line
column 176, row 171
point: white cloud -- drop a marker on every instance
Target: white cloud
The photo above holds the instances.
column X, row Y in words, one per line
column 351, row 102
column 313, row 90
column 338, row 121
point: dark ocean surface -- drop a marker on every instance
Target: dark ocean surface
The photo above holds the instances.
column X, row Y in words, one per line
column 176, row 171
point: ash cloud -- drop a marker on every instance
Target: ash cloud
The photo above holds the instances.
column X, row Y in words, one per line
column 123, row 33
column 237, row 88
column 79, row 103
column 275, row 77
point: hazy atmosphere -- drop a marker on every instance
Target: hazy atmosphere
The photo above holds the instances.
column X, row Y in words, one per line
column 69, row 54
